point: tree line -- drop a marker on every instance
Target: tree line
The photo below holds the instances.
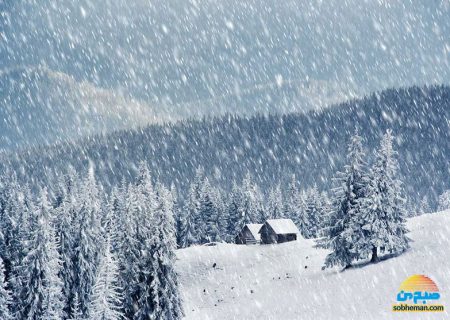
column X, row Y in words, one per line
column 85, row 255
column 211, row 214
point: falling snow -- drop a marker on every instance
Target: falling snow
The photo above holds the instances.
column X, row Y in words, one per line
column 138, row 138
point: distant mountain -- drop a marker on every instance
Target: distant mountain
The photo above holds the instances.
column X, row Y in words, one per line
column 271, row 147
column 40, row 106
column 183, row 53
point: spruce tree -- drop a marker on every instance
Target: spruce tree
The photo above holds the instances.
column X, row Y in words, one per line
column 297, row 210
column 380, row 221
column 86, row 242
column 65, row 208
column 252, row 204
column 5, row 296
column 193, row 224
column 234, row 213
column 136, row 260
column 275, row 203
column 129, row 250
column 209, row 213
column 444, row 201
column 41, row 296
column 164, row 285
column 9, row 216
column 349, row 188
column 106, row 300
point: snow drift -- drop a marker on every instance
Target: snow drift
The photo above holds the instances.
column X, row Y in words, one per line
column 285, row 281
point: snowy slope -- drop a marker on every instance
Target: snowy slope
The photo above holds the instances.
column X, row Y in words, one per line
column 286, row 281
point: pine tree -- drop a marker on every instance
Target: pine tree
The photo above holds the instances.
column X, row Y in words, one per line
column 136, row 256
column 9, row 192
column 381, row 219
column 350, row 186
column 209, row 213
column 86, row 242
column 5, row 296
column 106, row 300
column 424, row 205
column 275, row 203
column 297, row 211
column 234, row 213
column 65, row 208
column 179, row 215
column 41, row 296
column 164, row 285
column 252, row 204
column 193, row 224
column 444, row 201
column 24, row 209
column 129, row 249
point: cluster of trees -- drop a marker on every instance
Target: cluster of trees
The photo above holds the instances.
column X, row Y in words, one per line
column 270, row 147
column 211, row 214
column 368, row 212
column 78, row 254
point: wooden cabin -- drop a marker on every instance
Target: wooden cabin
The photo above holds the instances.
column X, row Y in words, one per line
column 249, row 234
column 278, row 231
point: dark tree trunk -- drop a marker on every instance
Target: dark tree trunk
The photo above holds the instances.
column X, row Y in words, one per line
column 374, row 255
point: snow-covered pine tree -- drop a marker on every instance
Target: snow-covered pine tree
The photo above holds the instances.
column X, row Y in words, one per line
column 209, row 213
column 424, row 206
column 24, row 208
column 295, row 205
column 252, row 204
column 297, row 212
column 349, row 188
column 291, row 198
column 444, row 201
column 380, row 220
column 5, row 296
column 86, row 242
column 234, row 213
column 9, row 191
column 275, row 203
column 325, row 208
column 193, row 224
column 164, row 285
column 129, row 249
column 41, row 296
column 106, row 300
column 315, row 212
column 136, row 257
column 179, row 215
column 188, row 234
column 218, row 199
column 65, row 209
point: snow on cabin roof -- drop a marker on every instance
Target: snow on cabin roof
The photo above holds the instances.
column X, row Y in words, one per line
column 283, row 226
column 254, row 230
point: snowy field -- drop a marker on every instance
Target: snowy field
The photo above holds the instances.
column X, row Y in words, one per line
column 286, row 281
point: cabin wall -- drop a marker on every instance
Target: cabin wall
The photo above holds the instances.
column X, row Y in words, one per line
column 268, row 236
column 245, row 237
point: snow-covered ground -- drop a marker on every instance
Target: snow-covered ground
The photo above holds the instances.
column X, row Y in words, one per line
column 285, row 281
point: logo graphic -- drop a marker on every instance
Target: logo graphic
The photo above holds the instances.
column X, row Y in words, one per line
column 418, row 293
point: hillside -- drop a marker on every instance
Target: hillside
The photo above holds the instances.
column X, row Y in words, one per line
column 286, row 281
column 41, row 106
column 271, row 148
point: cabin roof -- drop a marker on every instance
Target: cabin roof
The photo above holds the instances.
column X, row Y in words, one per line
column 254, row 230
column 283, row 226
